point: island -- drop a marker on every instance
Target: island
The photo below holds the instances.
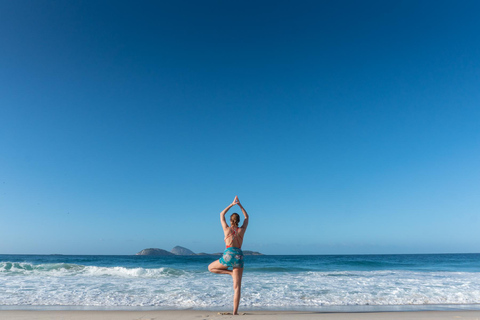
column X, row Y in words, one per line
column 181, row 251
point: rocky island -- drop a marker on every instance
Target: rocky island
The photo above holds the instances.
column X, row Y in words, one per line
column 181, row 251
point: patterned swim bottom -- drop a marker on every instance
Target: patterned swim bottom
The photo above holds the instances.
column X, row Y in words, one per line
column 232, row 257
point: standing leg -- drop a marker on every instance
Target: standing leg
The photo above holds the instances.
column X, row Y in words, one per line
column 237, row 287
column 217, row 267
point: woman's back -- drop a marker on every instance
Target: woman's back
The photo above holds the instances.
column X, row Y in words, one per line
column 234, row 237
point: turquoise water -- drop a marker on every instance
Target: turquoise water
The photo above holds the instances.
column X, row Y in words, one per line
column 270, row 282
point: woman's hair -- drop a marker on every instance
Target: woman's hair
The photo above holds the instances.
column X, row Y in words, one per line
column 235, row 219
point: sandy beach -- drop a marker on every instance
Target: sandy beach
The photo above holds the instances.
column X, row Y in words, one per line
column 197, row 315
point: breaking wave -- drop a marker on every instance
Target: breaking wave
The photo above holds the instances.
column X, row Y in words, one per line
column 65, row 269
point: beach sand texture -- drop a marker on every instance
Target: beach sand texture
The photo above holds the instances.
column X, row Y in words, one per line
column 200, row 315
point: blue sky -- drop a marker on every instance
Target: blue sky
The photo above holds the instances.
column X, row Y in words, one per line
column 343, row 126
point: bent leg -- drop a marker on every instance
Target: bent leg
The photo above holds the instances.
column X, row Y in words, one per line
column 217, row 267
column 237, row 287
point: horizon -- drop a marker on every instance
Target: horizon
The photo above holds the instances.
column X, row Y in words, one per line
column 262, row 254
column 344, row 128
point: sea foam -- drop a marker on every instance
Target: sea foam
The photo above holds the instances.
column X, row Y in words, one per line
column 68, row 284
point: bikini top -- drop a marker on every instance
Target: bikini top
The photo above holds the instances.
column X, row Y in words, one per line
column 233, row 233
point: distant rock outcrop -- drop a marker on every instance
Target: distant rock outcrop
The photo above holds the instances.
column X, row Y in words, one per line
column 181, row 251
column 154, row 252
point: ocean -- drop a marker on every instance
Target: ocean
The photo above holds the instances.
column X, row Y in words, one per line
column 289, row 282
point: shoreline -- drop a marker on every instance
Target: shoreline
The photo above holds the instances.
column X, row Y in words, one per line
column 204, row 315
column 321, row 309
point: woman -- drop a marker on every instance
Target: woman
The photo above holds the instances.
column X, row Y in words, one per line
column 233, row 255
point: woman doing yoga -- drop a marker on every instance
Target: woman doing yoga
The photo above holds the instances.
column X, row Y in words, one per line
column 232, row 256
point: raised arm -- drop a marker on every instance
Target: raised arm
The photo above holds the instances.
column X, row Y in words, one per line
column 222, row 215
column 245, row 214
